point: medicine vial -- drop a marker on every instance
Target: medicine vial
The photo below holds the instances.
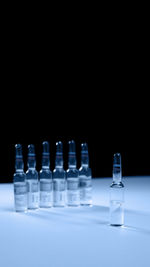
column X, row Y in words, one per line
column 59, row 178
column 45, row 176
column 72, row 176
column 117, row 194
column 32, row 179
column 85, row 177
column 19, row 182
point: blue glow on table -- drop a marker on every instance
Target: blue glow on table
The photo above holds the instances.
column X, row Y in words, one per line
column 78, row 237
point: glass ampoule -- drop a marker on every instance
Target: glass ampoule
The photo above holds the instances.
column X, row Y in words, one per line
column 19, row 181
column 72, row 176
column 59, row 178
column 117, row 193
column 32, row 179
column 45, row 176
column 85, row 177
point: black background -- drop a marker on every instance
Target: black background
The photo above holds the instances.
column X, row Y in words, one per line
column 107, row 122
column 86, row 83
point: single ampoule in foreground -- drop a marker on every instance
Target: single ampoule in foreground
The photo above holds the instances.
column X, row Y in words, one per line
column 72, row 175
column 45, row 176
column 19, row 180
column 85, row 177
column 117, row 194
column 59, row 178
column 32, row 179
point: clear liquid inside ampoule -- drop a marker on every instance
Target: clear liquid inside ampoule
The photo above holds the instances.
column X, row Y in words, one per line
column 117, row 204
column 116, row 213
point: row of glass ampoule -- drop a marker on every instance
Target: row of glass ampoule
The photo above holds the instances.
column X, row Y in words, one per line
column 58, row 188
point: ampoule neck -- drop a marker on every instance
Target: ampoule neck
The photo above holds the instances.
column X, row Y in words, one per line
column 45, row 168
column 72, row 167
column 19, row 164
column 84, row 166
column 31, row 157
column 84, row 155
column 59, row 167
column 45, row 155
column 117, row 169
column 19, row 170
column 72, row 155
column 59, row 155
column 30, row 168
column 31, row 165
column 72, row 161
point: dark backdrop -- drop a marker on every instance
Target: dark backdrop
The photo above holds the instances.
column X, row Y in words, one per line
column 91, row 85
column 107, row 122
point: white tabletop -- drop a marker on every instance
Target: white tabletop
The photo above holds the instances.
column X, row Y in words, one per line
column 78, row 237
